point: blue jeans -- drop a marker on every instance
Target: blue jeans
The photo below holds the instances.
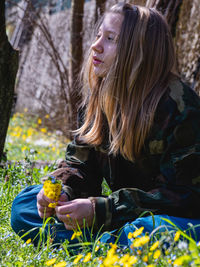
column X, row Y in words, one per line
column 26, row 222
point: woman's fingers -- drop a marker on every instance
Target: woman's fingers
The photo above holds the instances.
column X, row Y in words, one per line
column 64, row 207
column 44, row 211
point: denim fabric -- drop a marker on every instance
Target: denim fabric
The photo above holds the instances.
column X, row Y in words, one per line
column 25, row 218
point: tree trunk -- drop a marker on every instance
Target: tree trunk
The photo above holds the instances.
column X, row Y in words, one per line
column 8, row 71
column 76, row 53
column 170, row 9
column 183, row 18
column 100, row 8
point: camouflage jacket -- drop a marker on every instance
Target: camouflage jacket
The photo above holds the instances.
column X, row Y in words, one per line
column 164, row 180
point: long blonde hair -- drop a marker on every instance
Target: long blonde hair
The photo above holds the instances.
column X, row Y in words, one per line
column 120, row 108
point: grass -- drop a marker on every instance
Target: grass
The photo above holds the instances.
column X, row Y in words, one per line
column 171, row 248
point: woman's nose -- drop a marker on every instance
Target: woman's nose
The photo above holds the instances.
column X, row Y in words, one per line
column 98, row 46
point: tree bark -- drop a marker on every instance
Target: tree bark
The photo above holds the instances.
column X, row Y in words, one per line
column 100, row 8
column 170, row 9
column 8, row 71
column 76, row 54
column 183, row 18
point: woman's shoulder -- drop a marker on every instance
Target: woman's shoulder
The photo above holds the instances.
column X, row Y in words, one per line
column 183, row 95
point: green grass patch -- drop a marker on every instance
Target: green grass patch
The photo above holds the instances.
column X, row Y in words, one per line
column 171, row 248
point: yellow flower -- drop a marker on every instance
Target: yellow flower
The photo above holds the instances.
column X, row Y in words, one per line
column 52, row 189
column 43, row 130
column 124, row 259
column 25, row 109
column 157, row 254
column 77, row 259
column 61, row 264
column 177, row 236
column 114, row 246
column 50, row 262
column 47, row 116
column 132, row 260
column 130, row 235
column 39, row 121
column 52, row 205
column 28, row 241
column 51, row 195
column 24, row 148
column 154, row 246
column 87, row 257
column 182, row 260
column 29, row 132
column 141, row 241
column 138, row 232
column 97, row 248
column 75, row 235
column 145, row 258
column 110, row 260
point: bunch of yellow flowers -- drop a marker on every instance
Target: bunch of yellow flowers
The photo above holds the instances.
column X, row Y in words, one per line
column 52, row 190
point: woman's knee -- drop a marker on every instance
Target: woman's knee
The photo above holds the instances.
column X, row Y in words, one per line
column 24, row 215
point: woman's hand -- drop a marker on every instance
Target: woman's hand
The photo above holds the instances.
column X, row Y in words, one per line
column 43, row 202
column 78, row 212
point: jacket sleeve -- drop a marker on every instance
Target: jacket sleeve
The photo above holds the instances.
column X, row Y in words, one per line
column 176, row 188
column 80, row 174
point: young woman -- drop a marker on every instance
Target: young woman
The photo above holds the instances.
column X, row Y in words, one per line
column 139, row 129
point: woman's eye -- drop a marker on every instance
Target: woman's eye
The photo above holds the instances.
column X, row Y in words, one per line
column 111, row 38
column 98, row 36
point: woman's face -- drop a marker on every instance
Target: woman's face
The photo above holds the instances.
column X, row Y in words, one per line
column 105, row 46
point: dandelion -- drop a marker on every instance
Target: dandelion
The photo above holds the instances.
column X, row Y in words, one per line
column 157, row 254
column 77, row 259
column 87, row 257
column 50, row 262
column 52, row 190
column 182, row 260
column 52, row 205
column 39, row 121
column 61, row 264
column 124, row 259
column 130, row 235
column 43, row 130
column 177, row 236
column 47, row 116
column 132, row 260
column 24, row 148
column 114, row 246
column 110, row 260
column 141, row 241
column 29, row 132
column 97, row 248
column 75, row 235
column 154, row 246
column 138, row 232
column 145, row 258
column 28, row 241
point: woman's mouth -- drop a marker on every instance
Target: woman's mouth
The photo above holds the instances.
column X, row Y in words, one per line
column 96, row 61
